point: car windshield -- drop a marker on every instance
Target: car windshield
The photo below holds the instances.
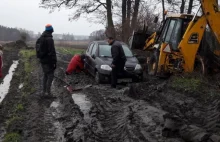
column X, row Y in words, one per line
column 105, row 51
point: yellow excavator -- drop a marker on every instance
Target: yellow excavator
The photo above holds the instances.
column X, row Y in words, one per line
column 186, row 43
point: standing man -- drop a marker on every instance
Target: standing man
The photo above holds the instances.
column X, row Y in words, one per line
column 119, row 60
column 1, row 60
column 47, row 55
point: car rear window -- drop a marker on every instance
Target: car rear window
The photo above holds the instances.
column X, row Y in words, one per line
column 105, row 51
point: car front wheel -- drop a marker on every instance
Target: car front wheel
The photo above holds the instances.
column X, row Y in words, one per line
column 98, row 78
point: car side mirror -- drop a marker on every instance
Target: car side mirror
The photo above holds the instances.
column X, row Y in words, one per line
column 93, row 56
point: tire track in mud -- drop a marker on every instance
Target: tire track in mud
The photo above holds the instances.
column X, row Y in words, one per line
column 39, row 125
column 212, row 117
column 134, row 114
column 121, row 118
column 193, row 119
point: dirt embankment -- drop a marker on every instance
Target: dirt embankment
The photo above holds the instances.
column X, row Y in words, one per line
column 183, row 108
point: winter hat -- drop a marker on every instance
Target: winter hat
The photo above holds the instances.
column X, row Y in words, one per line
column 48, row 27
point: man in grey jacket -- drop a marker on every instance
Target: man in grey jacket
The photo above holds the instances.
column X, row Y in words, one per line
column 118, row 61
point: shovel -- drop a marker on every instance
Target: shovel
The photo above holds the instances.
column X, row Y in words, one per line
column 69, row 87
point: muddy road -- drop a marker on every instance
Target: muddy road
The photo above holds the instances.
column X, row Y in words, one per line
column 180, row 109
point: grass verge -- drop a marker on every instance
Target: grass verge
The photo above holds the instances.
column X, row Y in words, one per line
column 12, row 137
column 69, row 50
column 196, row 85
column 16, row 113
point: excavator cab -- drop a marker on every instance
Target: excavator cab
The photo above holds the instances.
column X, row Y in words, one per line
column 171, row 34
column 173, row 30
column 179, row 44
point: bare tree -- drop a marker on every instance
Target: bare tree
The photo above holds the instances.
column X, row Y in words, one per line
column 97, row 35
column 110, row 27
column 182, row 7
column 84, row 8
column 128, row 19
column 163, row 7
column 124, row 20
column 190, row 7
column 135, row 14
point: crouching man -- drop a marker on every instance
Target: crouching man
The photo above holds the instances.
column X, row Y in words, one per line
column 76, row 64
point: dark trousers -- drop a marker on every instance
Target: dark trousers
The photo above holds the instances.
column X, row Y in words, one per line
column 118, row 69
column 48, row 70
column 114, row 77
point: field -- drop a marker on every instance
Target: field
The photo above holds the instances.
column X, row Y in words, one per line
column 183, row 108
column 70, row 44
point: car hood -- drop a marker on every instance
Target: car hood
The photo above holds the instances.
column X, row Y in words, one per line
column 131, row 61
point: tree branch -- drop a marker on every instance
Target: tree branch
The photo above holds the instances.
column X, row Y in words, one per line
column 90, row 11
column 103, row 4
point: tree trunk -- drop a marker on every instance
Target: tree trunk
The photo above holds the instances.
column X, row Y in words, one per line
column 124, row 9
column 190, row 7
column 182, row 7
column 135, row 14
column 110, row 27
column 128, row 20
column 163, row 6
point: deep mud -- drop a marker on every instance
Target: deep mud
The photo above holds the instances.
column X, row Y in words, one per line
column 141, row 112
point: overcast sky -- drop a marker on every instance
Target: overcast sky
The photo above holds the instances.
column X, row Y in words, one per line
column 27, row 14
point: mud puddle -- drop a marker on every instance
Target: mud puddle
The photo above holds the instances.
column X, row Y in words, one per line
column 21, row 86
column 84, row 104
column 4, row 87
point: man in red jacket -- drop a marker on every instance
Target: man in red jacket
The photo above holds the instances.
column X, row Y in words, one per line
column 1, row 60
column 76, row 64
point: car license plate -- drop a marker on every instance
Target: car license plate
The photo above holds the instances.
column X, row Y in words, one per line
column 124, row 80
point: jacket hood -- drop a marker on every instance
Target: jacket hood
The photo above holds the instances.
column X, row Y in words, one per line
column 47, row 34
column 77, row 57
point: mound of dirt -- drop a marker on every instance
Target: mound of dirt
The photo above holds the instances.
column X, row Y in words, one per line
column 17, row 44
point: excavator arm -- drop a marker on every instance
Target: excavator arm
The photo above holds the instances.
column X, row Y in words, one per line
column 212, row 13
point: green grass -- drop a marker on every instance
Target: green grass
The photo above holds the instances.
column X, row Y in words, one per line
column 28, row 68
column 188, row 84
column 28, row 64
column 26, row 55
column 69, row 50
column 13, row 120
column 19, row 108
column 12, row 137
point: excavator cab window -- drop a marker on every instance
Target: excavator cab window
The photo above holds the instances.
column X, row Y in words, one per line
column 173, row 32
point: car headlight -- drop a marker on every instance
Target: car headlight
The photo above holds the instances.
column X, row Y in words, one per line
column 106, row 67
column 138, row 67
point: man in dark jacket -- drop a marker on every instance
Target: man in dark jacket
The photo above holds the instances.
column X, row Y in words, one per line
column 118, row 62
column 48, row 58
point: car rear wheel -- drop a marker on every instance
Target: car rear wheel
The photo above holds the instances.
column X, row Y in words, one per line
column 98, row 78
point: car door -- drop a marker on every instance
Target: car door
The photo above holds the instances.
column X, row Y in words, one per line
column 93, row 58
column 88, row 58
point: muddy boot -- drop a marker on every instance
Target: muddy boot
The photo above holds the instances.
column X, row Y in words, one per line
column 49, row 84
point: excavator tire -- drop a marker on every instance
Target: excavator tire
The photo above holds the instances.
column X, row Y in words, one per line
column 200, row 66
